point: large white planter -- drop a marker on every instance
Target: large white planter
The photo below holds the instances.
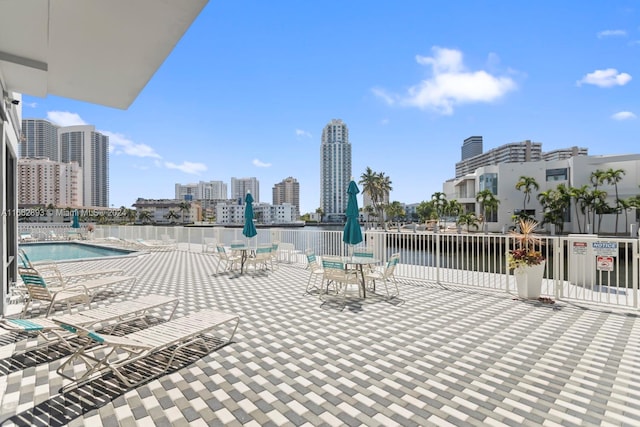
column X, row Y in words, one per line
column 529, row 280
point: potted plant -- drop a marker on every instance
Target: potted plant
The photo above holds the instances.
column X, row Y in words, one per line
column 526, row 260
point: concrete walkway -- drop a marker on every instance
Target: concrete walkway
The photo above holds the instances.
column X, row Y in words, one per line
column 438, row 355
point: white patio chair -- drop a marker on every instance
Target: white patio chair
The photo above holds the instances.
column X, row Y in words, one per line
column 209, row 245
column 336, row 273
column 228, row 259
column 385, row 275
column 315, row 271
column 262, row 258
column 288, row 251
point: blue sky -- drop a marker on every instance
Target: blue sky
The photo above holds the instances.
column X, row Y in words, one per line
column 249, row 88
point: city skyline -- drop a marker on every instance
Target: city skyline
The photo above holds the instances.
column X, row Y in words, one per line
column 247, row 92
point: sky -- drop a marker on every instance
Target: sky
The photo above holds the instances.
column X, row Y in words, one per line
column 248, row 89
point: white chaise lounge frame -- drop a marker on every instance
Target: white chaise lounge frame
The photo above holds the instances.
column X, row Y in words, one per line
column 108, row 318
column 108, row 353
column 38, row 288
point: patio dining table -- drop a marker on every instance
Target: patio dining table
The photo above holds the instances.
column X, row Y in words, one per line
column 244, row 254
column 359, row 263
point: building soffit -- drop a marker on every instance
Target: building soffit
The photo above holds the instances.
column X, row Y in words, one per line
column 103, row 52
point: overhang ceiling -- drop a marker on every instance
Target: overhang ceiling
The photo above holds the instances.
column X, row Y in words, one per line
column 99, row 51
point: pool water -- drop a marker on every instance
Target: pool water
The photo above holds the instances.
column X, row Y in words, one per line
column 68, row 251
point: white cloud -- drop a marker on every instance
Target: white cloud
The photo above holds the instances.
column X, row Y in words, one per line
column 65, row 118
column 451, row 84
column 384, row 122
column 623, row 115
column 119, row 144
column 605, row 78
column 261, row 164
column 187, row 167
column 300, row 132
column 31, row 104
column 611, row 33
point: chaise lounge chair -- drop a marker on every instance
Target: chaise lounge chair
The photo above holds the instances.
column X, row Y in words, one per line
column 108, row 318
column 55, row 277
column 108, row 353
column 38, row 289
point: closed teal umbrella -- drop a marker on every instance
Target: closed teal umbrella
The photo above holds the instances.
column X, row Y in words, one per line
column 352, row 234
column 249, row 229
column 75, row 221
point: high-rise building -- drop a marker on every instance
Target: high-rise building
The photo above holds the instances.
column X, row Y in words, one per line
column 90, row 149
column 40, row 139
column 565, row 153
column 211, row 190
column 44, row 182
column 516, row 152
column 471, row 147
column 287, row 191
column 335, row 170
column 240, row 186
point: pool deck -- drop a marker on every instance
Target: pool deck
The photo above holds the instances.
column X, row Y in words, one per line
column 438, row 355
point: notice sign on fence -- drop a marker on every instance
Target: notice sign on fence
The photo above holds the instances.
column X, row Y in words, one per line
column 605, row 248
column 580, row 248
column 604, row 263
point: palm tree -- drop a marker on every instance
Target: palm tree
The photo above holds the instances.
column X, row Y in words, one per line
column 394, row 211
column 172, row 216
column 614, row 176
column 488, row 204
column 145, row 216
column 600, row 206
column 440, row 202
column 424, row 211
column 526, row 184
column 469, row 219
column 320, row 213
column 130, row 215
column 554, row 205
column 454, row 208
column 577, row 194
column 184, row 207
column 378, row 187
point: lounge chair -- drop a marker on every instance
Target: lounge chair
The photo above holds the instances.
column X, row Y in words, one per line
column 150, row 245
column 26, row 237
column 54, row 277
column 50, row 332
column 38, row 288
column 108, row 353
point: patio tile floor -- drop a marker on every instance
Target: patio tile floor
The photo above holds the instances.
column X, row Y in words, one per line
column 438, row 355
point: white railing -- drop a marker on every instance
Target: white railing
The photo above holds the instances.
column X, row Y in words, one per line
column 579, row 267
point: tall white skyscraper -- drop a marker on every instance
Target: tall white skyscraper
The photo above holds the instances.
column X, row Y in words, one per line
column 335, row 170
column 90, row 149
column 240, row 186
column 40, row 139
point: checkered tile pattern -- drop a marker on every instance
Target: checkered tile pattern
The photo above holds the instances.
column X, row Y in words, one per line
column 438, row 355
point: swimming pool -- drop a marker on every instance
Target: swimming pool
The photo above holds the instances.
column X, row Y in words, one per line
column 69, row 251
